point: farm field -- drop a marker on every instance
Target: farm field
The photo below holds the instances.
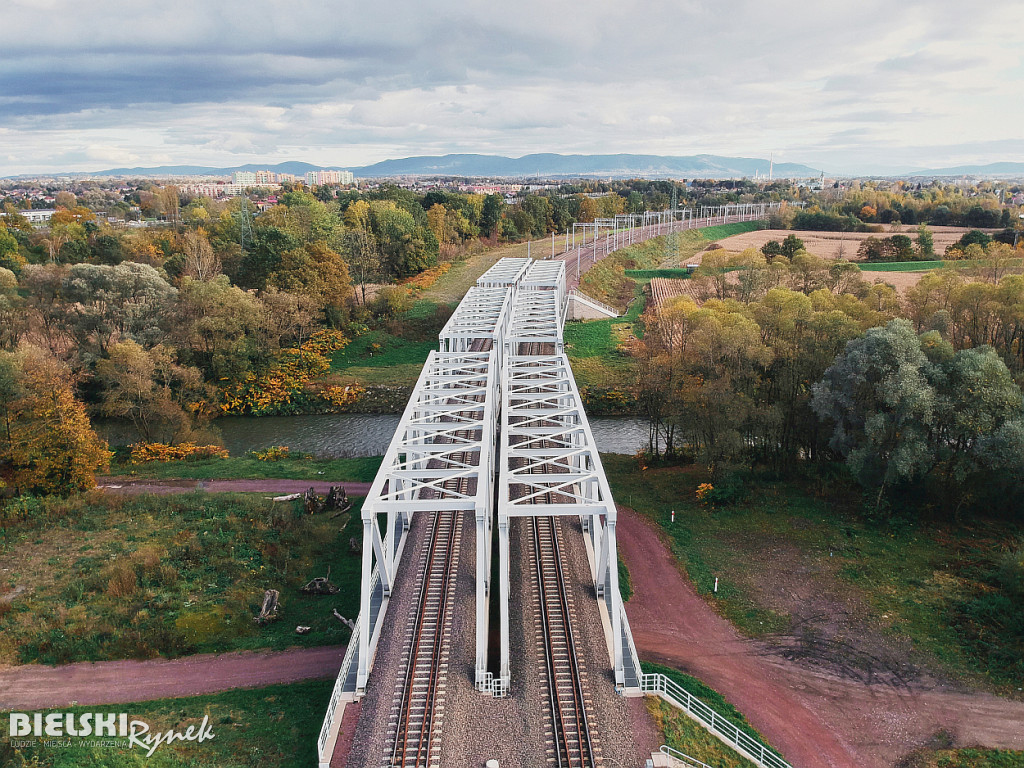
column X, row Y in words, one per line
column 663, row 289
column 838, row 245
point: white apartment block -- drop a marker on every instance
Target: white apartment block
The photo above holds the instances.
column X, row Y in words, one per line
column 329, row 177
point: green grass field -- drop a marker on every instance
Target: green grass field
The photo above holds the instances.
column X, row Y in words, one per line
column 358, row 470
column 112, row 577
column 926, row 588
column 593, row 347
column 649, row 274
column 901, row 266
column 271, row 727
column 925, row 266
column 379, row 357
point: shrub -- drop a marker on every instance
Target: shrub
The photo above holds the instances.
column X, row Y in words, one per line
column 122, row 581
column 143, row 453
column 273, row 453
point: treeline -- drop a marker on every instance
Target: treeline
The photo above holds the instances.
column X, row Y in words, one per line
column 800, row 360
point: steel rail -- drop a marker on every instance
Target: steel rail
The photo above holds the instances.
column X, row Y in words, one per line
column 574, row 747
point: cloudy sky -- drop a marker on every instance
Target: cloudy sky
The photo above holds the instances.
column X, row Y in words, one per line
column 847, row 86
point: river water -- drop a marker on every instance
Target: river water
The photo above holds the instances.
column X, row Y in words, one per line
column 357, row 434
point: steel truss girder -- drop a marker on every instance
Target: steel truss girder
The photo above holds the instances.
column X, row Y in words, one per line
column 482, row 314
column 537, row 317
column 505, row 273
column 440, row 458
column 550, row 466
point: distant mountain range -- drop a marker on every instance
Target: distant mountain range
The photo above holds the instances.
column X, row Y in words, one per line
column 548, row 165
column 1015, row 170
column 561, row 166
column 292, row 166
column 496, row 166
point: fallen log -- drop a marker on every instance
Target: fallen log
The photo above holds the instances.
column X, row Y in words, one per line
column 347, row 622
column 321, row 585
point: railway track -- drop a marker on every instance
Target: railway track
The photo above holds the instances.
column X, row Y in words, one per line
column 418, row 717
column 418, row 714
column 572, row 740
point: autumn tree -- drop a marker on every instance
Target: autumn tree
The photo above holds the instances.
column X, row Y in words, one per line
column 200, row 260
column 49, row 445
column 321, row 274
column 165, row 401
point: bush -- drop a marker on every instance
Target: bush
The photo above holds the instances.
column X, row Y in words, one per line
column 142, row 453
column 273, row 453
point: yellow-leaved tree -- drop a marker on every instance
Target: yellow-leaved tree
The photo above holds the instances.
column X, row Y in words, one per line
column 47, row 444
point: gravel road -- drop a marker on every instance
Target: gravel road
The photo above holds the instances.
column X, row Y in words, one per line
column 35, row 686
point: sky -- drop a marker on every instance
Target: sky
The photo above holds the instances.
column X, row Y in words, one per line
column 850, row 87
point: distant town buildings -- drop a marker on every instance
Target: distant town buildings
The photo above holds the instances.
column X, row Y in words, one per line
column 272, row 180
column 37, row 215
column 215, row 189
column 317, row 178
column 490, row 189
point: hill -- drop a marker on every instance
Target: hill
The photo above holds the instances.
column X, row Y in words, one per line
column 548, row 165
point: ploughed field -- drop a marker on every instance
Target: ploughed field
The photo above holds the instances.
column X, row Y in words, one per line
column 839, row 245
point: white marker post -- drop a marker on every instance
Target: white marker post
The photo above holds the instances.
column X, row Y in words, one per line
column 673, row 515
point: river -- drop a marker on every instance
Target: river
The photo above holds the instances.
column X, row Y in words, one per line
column 357, row 434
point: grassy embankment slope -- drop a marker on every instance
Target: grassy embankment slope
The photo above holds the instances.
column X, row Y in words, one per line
column 103, row 577
column 596, row 347
column 395, row 358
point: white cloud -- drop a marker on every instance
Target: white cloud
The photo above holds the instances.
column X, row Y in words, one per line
column 234, row 82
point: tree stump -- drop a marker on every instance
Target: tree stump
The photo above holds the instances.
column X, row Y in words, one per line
column 270, row 605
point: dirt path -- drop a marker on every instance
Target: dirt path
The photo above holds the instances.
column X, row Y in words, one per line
column 133, row 486
column 34, row 686
column 818, row 720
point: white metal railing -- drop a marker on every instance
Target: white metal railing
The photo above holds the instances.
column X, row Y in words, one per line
column 599, row 304
column 720, row 726
column 677, row 758
column 336, row 694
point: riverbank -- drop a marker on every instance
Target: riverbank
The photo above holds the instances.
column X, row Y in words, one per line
column 338, row 436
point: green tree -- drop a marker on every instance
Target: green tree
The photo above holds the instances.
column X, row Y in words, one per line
column 925, row 243
column 490, row 216
column 791, row 245
column 881, row 407
column 10, row 257
column 976, row 398
column 12, row 316
column 263, row 257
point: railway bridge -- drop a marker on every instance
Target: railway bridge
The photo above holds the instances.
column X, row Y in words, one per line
column 495, row 432
column 500, row 360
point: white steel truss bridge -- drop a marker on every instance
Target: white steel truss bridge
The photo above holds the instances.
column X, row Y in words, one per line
column 500, row 361
column 496, row 426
